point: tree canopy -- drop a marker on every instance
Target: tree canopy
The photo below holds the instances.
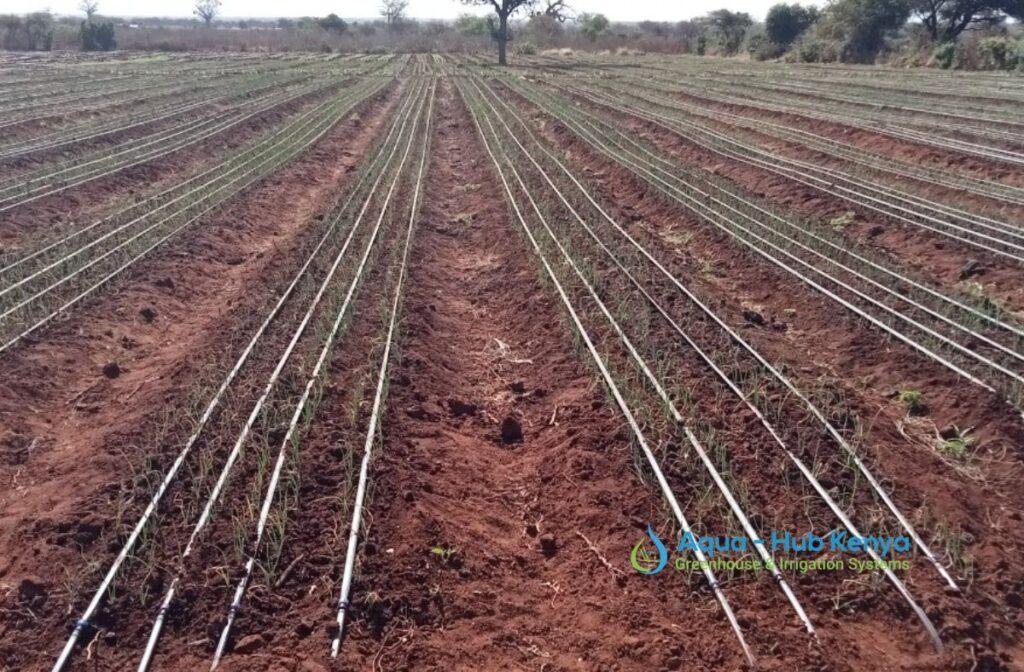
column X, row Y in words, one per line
column 784, row 23
column 946, row 19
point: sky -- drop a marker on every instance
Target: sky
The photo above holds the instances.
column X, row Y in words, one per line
column 616, row 10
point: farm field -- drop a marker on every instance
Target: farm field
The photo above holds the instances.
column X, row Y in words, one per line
column 406, row 362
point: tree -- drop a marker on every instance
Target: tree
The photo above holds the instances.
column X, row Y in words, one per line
column 39, row 29
column 729, row 28
column 97, row 36
column 393, row 12
column 592, row 26
column 89, row 8
column 333, row 23
column 467, row 24
column 33, row 33
column 207, row 10
column 557, row 10
column 862, row 25
column 543, row 28
column 503, row 9
column 946, row 19
column 785, row 23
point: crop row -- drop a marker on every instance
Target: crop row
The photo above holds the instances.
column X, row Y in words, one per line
column 53, row 278
column 657, row 344
column 276, row 383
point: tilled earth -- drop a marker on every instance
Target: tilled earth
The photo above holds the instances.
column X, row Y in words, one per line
column 505, row 493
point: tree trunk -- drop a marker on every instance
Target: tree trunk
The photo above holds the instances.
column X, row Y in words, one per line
column 502, row 39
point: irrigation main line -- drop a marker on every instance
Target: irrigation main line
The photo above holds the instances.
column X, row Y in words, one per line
column 807, row 473
column 84, row 620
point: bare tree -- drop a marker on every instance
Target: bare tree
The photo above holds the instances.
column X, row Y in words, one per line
column 559, row 10
column 393, row 12
column 89, row 7
column 500, row 32
column 946, row 19
column 207, row 10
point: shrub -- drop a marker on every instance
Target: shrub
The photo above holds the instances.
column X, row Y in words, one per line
column 913, row 400
column 33, row 33
column 785, row 23
column 1001, row 53
column 945, row 55
column 814, row 50
column 332, row 23
column 760, row 47
column 97, row 36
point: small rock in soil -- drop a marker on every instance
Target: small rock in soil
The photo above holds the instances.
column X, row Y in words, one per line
column 249, row 644
column 548, row 544
column 518, row 387
column 111, row 370
column 875, row 231
column 460, row 408
column 511, row 430
column 166, row 283
column 972, row 268
column 31, row 593
column 148, row 314
column 312, row 666
column 753, row 317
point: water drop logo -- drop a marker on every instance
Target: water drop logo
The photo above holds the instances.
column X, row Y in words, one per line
column 643, row 559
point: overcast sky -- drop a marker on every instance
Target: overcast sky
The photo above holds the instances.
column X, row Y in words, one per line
column 616, row 10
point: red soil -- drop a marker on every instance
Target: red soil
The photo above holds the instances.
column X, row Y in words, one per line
column 816, row 342
column 66, row 428
column 936, row 258
column 480, row 552
column 95, row 198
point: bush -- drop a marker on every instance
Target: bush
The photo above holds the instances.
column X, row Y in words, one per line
column 1001, row 53
column 945, row 55
column 785, row 23
column 814, row 50
column 528, row 49
column 332, row 23
column 760, row 46
column 97, row 36
column 33, row 33
column 467, row 24
column 859, row 27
